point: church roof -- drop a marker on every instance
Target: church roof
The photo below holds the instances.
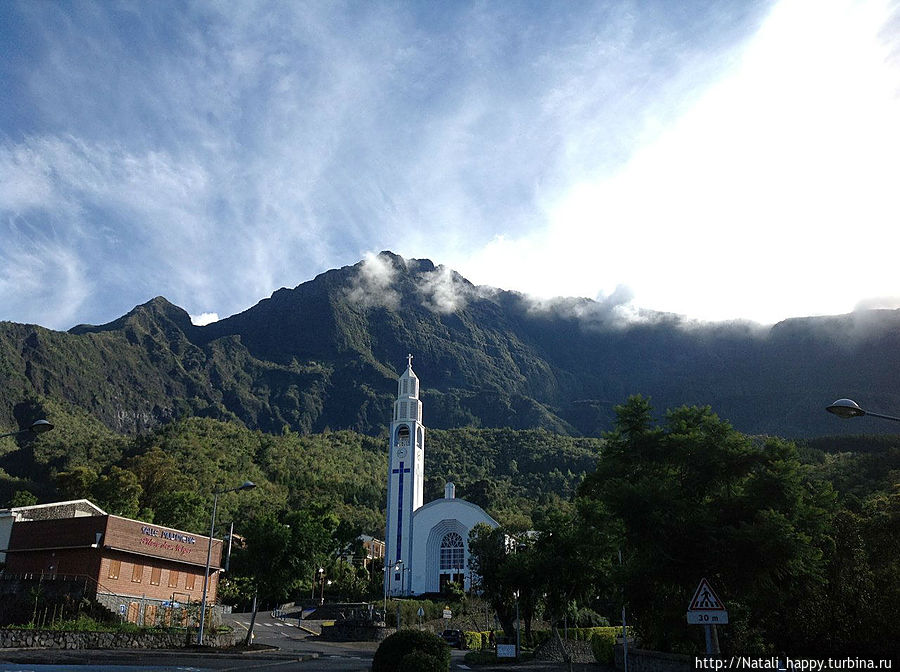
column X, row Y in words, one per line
column 434, row 507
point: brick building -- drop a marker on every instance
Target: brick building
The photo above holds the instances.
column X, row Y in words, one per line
column 133, row 567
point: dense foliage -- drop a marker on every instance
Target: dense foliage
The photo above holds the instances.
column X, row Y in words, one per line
column 802, row 541
column 315, row 495
column 409, row 650
column 802, row 568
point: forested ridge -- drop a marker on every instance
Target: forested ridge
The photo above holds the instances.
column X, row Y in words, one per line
column 167, row 475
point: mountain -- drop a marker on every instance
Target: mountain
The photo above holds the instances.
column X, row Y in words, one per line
column 326, row 354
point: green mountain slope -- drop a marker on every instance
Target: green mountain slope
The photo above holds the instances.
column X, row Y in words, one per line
column 326, row 354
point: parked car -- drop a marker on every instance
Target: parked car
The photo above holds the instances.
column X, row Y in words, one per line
column 453, row 638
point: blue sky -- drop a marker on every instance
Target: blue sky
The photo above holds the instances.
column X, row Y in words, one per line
column 720, row 160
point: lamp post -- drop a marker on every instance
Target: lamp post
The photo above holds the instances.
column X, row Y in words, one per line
column 36, row 427
column 246, row 485
column 322, row 586
column 518, row 636
column 847, row 408
column 386, row 570
column 398, row 567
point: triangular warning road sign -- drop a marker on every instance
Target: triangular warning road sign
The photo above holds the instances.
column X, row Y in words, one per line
column 705, row 599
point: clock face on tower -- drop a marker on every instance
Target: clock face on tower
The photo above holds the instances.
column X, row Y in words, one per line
column 401, row 452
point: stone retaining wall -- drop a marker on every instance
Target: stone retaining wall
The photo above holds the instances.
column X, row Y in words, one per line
column 345, row 632
column 55, row 639
column 565, row 649
column 644, row 660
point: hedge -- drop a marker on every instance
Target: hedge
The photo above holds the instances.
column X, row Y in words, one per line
column 475, row 640
column 393, row 650
column 587, row 634
column 603, row 643
column 419, row 661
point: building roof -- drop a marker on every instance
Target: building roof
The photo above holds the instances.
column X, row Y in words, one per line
column 73, row 508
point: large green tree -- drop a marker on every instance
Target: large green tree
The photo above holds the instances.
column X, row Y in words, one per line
column 693, row 498
column 279, row 556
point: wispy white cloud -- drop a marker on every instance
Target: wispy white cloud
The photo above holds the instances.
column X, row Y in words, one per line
column 443, row 290
column 374, row 284
column 213, row 153
column 203, row 319
column 761, row 198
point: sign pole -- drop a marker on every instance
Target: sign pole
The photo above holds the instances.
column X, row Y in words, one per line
column 624, row 627
column 707, row 609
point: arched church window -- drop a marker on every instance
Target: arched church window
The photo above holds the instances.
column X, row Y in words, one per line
column 452, row 551
column 403, row 436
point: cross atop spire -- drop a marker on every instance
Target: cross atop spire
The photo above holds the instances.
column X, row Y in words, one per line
column 409, row 359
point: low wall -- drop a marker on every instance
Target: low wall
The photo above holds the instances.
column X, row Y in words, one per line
column 345, row 632
column 644, row 660
column 55, row 639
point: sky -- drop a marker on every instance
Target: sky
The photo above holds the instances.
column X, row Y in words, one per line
column 728, row 160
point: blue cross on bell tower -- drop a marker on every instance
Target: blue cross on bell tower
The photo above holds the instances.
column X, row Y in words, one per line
column 406, row 482
column 400, row 471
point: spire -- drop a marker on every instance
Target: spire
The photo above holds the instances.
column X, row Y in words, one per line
column 408, row 406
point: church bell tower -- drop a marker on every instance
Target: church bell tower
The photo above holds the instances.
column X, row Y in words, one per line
column 406, row 482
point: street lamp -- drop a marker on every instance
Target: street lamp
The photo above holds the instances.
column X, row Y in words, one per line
column 36, row 427
column 387, row 571
column 322, row 596
column 847, row 408
column 518, row 636
column 400, row 567
column 246, row 485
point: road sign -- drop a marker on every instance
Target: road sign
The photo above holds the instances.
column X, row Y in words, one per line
column 506, row 650
column 706, row 608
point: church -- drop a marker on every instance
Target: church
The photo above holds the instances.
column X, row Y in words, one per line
column 427, row 545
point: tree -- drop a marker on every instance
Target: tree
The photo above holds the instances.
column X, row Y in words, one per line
column 23, row 498
column 119, row 492
column 279, row 555
column 693, row 498
column 504, row 566
column 78, row 483
column 159, row 474
column 182, row 509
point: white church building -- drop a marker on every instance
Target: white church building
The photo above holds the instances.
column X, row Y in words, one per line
column 426, row 546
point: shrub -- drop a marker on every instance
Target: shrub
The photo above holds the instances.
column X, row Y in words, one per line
column 472, row 640
column 588, row 618
column 419, row 661
column 586, row 634
column 391, row 652
column 602, row 644
column 538, row 637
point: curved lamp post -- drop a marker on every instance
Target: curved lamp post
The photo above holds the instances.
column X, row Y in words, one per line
column 246, row 485
column 847, row 408
column 36, row 427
